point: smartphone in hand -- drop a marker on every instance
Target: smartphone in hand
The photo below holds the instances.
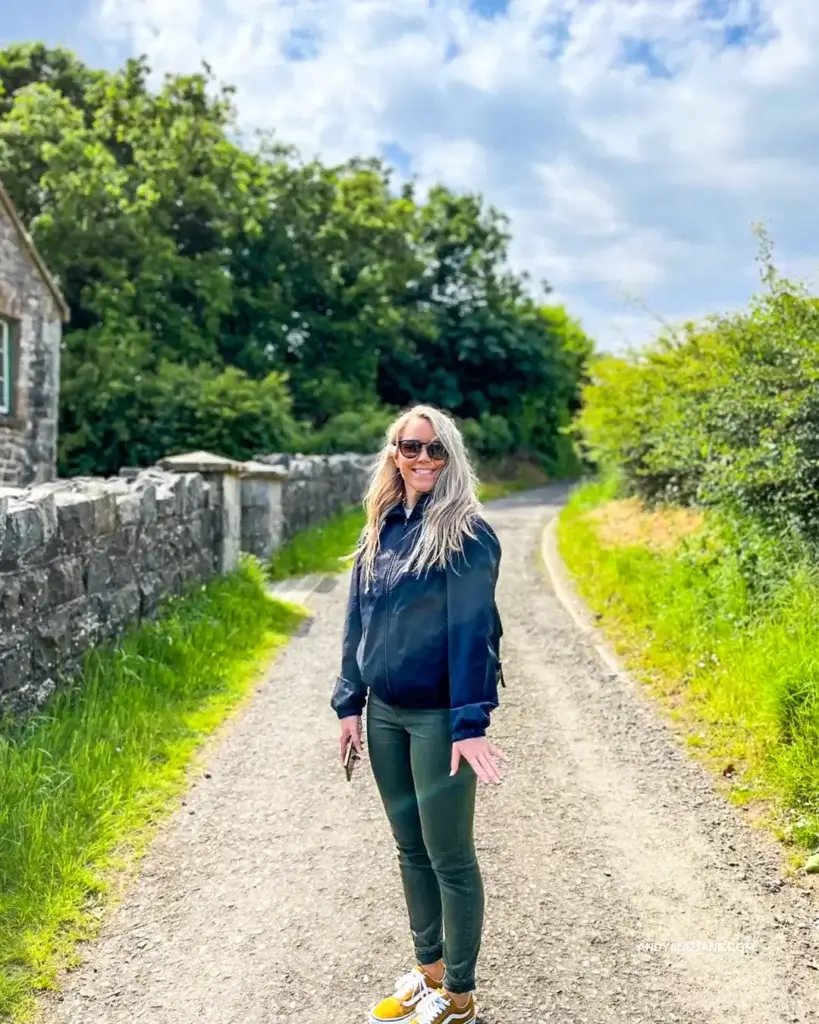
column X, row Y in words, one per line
column 351, row 755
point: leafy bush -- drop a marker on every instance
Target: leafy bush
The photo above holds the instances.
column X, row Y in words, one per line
column 489, row 437
column 177, row 408
column 358, row 430
column 724, row 415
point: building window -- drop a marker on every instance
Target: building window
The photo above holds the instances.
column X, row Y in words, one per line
column 6, row 367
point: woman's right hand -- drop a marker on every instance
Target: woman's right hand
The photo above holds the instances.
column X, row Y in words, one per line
column 350, row 730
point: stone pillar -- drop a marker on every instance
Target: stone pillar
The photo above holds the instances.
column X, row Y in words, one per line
column 262, row 516
column 223, row 477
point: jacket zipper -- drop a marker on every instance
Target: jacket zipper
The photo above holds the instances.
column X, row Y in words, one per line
column 387, row 588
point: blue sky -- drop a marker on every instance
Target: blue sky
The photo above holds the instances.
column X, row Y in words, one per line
column 632, row 142
column 59, row 23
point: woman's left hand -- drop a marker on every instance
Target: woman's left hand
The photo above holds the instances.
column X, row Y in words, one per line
column 480, row 753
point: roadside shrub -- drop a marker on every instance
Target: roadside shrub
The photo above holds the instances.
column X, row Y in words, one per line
column 725, row 414
column 175, row 409
column 489, row 437
column 357, row 430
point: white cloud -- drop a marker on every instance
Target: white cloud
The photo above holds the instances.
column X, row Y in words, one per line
column 458, row 162
column 617, row 178
column 580, row 201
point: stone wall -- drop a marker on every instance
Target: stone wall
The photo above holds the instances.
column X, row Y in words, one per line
column 28, row 433
column 82, row 559
column 317, row 487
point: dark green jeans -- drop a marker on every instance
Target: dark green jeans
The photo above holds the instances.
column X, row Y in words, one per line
column 431, row 815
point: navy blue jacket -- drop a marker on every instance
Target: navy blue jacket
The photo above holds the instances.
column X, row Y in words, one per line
column 429, row 641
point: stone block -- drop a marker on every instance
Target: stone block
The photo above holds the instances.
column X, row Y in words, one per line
column 148, row 513
column 196, row 532
column 166, row 498
column 123, row 573
column 254, row 520
column 97, row 572
column 104, row 504
column 174, row 540
column 201, row 462
column 195, row 495
column 149, row 552
column 209, row 527
column 75, row 518
column 15, row 668
column 34, row 593
column 124, row 543
column 202, row 562
column 31, row 529
column 122, row 607
column 14, row 635
column 129, row 507
column 10, row 607
column 53, row 641
column 231, row 525
column 172, row 582
column 64, row 580
column 150, row 593
column 193, row 570
column 86, row 617
column 178, row 486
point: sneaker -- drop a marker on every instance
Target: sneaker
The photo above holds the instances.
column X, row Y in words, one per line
column 405, row 1000
column 438, row 1008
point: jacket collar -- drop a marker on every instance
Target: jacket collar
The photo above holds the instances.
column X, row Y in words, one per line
column 397, row 511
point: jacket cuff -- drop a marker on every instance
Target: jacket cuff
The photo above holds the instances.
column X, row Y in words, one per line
column 348, row 698
column 469, row 721
column 467, row 733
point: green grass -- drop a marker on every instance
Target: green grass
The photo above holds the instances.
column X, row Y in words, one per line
column 319, row 549
column 324, row 548
column 722, row 627
column 521, row 476
column 85, row 782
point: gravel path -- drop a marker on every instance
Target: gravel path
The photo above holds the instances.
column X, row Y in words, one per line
column 273, row 896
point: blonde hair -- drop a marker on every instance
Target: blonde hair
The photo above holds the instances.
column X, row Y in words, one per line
column 453, row 505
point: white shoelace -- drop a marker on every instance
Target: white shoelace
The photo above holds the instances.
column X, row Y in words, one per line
column 430, row 1008
column 412, row 988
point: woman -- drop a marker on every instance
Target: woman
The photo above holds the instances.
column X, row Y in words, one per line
column 421, row 650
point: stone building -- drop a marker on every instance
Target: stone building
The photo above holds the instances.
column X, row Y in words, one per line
column 32, row 312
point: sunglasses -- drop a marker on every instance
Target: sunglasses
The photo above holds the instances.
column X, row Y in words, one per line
column 411, row 449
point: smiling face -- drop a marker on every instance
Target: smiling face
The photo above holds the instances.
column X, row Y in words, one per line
column 419, row 474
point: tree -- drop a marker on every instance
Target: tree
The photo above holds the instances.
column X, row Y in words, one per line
column 474, row 342
column 194, row 264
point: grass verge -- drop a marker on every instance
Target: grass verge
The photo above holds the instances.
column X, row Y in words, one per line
column 85, row 782
column 720, row 622
column 323, row 549
column 520, row 476
column 319, row 549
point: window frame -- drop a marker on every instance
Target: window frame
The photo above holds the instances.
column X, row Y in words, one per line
column 6, row 367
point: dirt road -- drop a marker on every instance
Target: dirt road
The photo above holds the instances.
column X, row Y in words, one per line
column 620, row 888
